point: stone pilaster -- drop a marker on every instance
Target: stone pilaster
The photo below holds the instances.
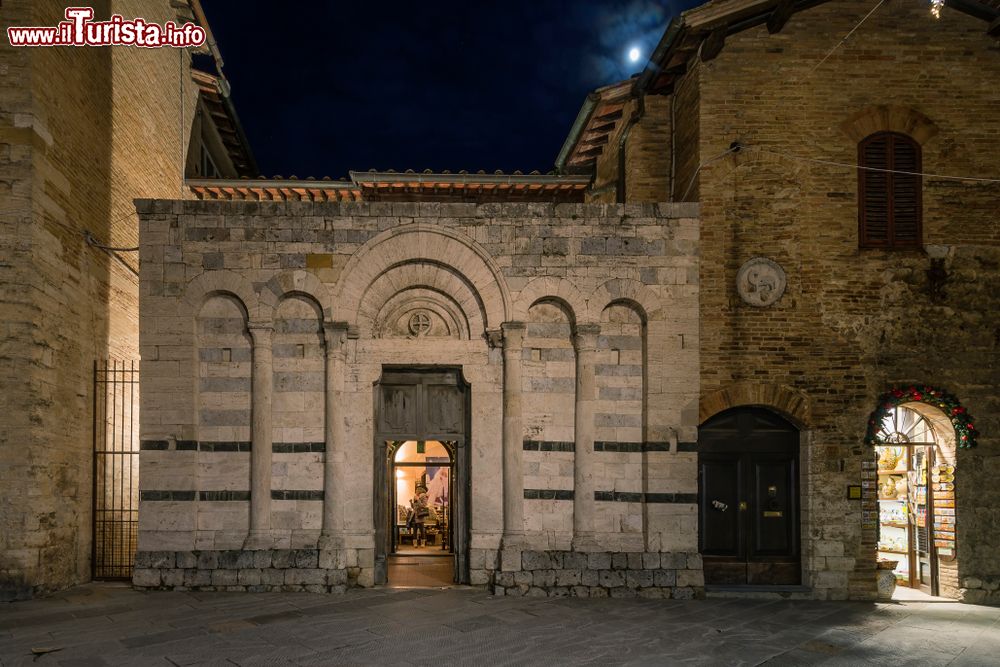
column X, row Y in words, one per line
column 513, row 434
column 261, row 436
column 335, row 335
column 585, row 341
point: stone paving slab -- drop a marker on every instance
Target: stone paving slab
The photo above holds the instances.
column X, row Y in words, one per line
column 102, row 624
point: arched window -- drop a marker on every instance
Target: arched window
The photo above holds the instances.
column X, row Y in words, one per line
column 889, row 202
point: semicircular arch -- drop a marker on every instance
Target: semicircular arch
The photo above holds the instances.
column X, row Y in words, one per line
column 210, row 283
column 632, row 292
column 435, row 277
column 420, row 242
column 302, row 283
column 549, row 288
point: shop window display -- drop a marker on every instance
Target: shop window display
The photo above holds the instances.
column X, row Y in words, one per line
column 916, row 507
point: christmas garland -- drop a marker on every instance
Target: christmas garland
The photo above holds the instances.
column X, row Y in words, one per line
column 961, row 420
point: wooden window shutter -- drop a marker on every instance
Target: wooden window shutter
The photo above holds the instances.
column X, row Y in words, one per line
column 889, row 204
column 906, row 192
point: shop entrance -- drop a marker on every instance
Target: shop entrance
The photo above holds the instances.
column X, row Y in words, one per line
column 421, row 478
column 916, row 502
column 748, row 499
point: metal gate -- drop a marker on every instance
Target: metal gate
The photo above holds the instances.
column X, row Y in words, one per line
column 116, row 468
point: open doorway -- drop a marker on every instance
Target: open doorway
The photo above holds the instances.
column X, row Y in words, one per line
column 916, row 499
column 421, row 470
column 421, row 478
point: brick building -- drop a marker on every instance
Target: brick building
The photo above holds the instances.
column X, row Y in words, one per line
column 750, row 110
column 75, row 152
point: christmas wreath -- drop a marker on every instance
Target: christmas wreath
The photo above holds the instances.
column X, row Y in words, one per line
column 961, row 420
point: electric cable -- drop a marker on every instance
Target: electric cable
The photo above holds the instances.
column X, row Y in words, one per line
column 732, row 149
column 849, row 165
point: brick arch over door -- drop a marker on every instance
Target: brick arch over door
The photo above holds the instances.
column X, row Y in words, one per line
column 790, row 403
column 433, row 244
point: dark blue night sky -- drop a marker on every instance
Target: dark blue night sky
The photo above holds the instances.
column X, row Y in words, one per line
column 325, row 87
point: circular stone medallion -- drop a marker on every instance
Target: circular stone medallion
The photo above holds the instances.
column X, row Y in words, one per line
column 420, row 323
column 760, row 282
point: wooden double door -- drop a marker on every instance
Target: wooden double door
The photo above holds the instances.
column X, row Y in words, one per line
column 421, row 404
column 748, row 513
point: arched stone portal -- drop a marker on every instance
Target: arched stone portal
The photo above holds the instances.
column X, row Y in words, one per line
column 427, row 257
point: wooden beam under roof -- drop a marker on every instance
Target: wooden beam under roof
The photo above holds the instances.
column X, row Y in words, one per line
column 609, row 116
column 779, row 17
column 594, row 139
column 994, row 29
column 712, row 46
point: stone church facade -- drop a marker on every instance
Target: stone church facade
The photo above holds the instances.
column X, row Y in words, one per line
column 269, row 332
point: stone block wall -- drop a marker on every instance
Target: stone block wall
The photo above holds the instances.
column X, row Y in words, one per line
column 264, row 570
column 605, row 298
column 600, row 574
column 82, row 132
column 549, row 395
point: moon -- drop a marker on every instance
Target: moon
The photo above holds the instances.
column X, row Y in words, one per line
column 633, row 54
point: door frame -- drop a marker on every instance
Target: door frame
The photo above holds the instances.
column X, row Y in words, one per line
column 450, row 446
column 746, row 446
column 417, row 428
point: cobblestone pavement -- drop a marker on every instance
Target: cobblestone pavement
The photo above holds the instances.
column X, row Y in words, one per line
column 101, row 624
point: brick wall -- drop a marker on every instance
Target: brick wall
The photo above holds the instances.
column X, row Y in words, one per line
column 647, row 154
column 852, row 322
column 608, row 165
column 85, row 130
column 688, row 151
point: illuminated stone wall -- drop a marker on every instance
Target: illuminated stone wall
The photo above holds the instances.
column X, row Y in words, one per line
column 276, row 319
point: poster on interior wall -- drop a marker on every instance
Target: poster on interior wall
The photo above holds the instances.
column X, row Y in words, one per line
column 437, row 481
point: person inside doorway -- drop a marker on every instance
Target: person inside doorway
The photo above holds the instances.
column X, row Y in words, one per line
column 419, row 514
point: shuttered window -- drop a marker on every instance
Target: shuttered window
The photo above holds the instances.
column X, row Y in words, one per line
column 889, row 203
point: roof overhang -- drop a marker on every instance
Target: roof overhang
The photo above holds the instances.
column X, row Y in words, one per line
column 273, row 190
column 215, row 94
column 400, row 186
column 593, row 127
column 700, row 31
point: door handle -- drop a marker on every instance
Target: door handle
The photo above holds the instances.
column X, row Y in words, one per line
column 743, row 505
column 719, row 505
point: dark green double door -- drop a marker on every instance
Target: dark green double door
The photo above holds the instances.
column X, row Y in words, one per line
column 748, row 514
